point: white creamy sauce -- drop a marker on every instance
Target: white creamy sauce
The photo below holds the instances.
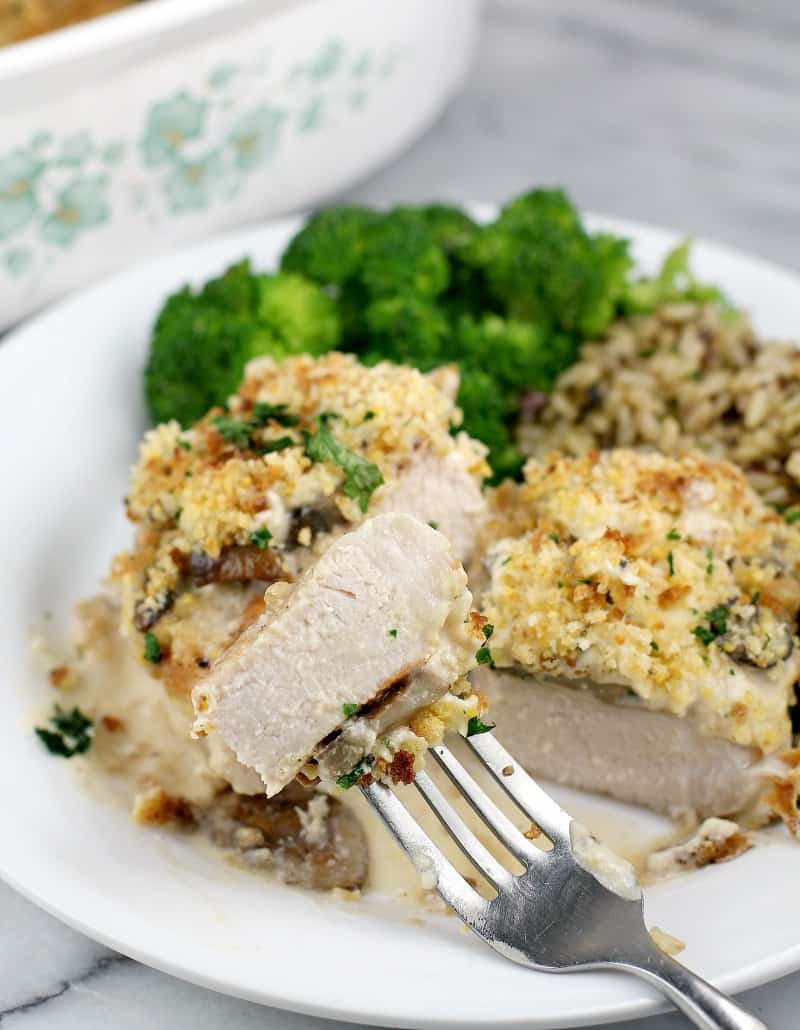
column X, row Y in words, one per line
column 615, row 873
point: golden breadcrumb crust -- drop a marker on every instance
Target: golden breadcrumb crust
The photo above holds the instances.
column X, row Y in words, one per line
column 665, row 577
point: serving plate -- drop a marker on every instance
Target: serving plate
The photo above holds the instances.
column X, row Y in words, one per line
column 70, row 416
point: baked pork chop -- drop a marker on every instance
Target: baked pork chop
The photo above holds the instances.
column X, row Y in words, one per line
column 644, row 613
column 356, row 668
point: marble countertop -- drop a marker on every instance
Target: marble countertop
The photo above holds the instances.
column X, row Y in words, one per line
column 679, row 112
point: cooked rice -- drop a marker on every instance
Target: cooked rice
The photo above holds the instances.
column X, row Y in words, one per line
column 685, row 376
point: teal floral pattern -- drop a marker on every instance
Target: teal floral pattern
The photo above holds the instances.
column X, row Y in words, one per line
column 19, row 171
column 82, row 205
column 199, row 147
column 170, row 125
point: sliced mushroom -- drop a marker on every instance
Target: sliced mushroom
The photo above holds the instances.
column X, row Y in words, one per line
column 236, row 564
column 274, row 833
column 756, row 636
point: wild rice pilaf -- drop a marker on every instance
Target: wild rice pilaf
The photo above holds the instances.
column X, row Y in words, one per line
column 685, row 376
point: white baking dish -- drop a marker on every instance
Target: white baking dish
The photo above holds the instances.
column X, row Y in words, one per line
column 174, row 119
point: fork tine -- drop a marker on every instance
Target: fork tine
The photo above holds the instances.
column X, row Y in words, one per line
column 500, row 824
column 522, row 789
column 426, row 858
column 482, row 859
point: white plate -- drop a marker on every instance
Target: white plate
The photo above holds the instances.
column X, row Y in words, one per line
column 70, row 415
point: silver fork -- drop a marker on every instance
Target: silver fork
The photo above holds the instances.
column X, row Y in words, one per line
column 555, row 916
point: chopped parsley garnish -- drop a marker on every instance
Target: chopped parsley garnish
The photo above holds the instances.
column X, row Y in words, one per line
column 587, row 582
column 483, row 656
column 654, row 646
column 710, row 566
column 433, row 525
column 361, row 477
column 505, row 561
column 350, row 708
column 476, row 725
column 697, row 375
column 240, row 433
column 260, row 537
column 152, row 648
column 792, row 516
column 671, row 563
column 368, row 415
column 280, row 444
column 554, row 537
column 263, row 413
column 232, row 430
column 756, row 597
column 350, row 779
column 673, row 535
column 71, row 734
column 488, row 629
column 185, row 445
column 393, row 634
column 717, row 619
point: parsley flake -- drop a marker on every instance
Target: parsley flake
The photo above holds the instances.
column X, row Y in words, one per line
column 152, row 648
column 260, row 537
column 476, row 725
column 232, row 430
column 756, row 597
column 350, row 708
column 185, row 445
column 368, row 416
column 279, row 444
column 433, row 525
column 393, row 634
column 71, row 734
column 263, row 413
column 350, row 779
column 361, row 477
column 717, row 619
column 673, row 534
column 554, row 537
column 671, row 563
column 483, row 656
column 792, row 516
column 654, row 646
column 488, row 629
column 505, row 561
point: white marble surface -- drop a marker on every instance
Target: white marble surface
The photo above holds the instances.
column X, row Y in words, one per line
column 680, row 112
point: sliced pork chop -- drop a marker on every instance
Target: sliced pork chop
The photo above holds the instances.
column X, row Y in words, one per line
column 356, row 660
column 572, row 736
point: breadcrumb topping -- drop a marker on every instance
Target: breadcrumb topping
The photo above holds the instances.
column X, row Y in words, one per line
column 667, row 579
column 237, row 480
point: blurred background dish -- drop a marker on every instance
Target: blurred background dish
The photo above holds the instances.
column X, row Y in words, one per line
column 175, row 119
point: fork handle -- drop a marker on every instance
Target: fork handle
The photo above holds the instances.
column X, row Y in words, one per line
column 703, row 1004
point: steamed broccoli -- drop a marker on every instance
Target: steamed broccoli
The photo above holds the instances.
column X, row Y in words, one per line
column 201, row 342
column 543, row 267
column 330, row 246
column 674, row 282
column 401, row 253
column 500, row 360
column 409, row 330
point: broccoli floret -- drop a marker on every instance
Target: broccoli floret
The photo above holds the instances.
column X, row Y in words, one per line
column 201, row 342
column 488, row 414
column 674, row 282
column 408, row 330
column 543, row 266
column 518, row 355
column 451, row 228
column 330, row 247
column 301, row 315
column 401, row 255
